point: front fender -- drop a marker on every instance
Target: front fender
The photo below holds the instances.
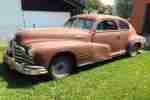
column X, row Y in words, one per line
column 84, row 52
column 44, row 52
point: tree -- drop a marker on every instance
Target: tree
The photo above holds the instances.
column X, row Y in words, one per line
column 93, row 5
column 123, row 8
column 108, row 9
column 98, row 6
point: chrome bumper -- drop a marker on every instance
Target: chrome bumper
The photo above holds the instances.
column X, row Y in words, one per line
column 24, row 69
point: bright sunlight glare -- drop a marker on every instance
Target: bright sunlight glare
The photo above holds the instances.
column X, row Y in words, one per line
column 108, row 2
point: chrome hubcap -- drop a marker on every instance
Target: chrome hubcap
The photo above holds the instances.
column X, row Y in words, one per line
column 60, row 70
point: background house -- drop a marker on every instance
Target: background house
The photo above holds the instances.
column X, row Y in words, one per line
column 35, row 13
column 141, row 16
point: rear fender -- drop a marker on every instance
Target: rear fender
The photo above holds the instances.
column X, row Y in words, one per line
column 137, row 39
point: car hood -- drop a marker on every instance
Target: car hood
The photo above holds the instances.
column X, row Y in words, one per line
column 53, row 43
column 62, row 33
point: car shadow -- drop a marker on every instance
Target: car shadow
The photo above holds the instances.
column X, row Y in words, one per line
column 100, row 64
column 147, row 48
column 17, row 80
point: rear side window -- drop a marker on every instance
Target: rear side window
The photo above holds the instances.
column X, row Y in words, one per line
column 123, row 25
column 107, row 25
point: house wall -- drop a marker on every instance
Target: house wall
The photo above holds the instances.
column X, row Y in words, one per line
column 138, row 15
column 146, row 1
column 45, row 19
column 10, row 18
column 13, row 17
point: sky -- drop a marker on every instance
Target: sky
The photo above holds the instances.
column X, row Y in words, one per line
column 107, row 2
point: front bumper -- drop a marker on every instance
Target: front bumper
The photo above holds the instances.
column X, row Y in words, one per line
column 22, row 68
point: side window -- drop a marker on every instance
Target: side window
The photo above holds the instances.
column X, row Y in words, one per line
column 76, row 23
column 99, row 26
column 89, row 24
column 107, row 25
column 123, row 25
column 80, row 23
column 84, row 23
column 70, row 22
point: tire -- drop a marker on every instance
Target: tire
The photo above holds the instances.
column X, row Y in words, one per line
column 133, row 50
column 61, row 66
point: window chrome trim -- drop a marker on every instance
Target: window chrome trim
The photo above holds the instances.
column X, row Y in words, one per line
column 101, row 31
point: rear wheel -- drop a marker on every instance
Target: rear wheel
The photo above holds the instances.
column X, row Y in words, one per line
column 61, row 66
column 134, row 50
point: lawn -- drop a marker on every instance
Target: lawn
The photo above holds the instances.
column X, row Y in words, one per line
column 122, row 78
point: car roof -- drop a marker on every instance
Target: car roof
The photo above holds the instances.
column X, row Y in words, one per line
column 98, row 17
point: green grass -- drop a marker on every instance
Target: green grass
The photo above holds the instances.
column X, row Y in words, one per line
column 119, row 79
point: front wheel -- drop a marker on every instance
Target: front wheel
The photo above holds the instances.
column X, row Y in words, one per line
column 61, row 66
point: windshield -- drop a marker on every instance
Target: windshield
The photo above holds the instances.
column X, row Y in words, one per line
column 80, row 23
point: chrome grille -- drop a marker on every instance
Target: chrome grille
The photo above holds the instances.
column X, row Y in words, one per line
column 21, row 54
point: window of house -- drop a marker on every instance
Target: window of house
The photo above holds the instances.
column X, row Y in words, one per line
column 123, row 25
column 107, row 25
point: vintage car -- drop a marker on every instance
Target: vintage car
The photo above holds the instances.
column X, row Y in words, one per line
column 84, row 39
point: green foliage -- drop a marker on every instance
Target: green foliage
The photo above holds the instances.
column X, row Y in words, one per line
column 97, row 5
column 123, row 8
column 91, row 5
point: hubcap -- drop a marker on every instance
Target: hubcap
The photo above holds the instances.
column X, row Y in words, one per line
column 60, row 70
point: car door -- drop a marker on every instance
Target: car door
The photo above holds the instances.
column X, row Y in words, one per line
column 107, row 33
column 124, row 28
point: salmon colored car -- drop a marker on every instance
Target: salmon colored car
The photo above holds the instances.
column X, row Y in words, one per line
column 84, row 39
